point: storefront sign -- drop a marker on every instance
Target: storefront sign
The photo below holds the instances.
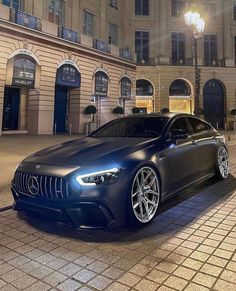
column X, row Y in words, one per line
column 21, row 82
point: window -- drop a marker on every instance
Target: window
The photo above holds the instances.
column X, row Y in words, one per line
column 177, row 7
column 179, row 125
column 113, row 34
column 69, row 76
column 142, row 7
column 210, row 49
column 148, row 127
column 209, row 9
column 125, row 87
column 24, row 68
column 88, row 25
column 198, row 125
column 101, row 84
column 16, row 4
column 178, row 48
column 56, row 12
column 234, row 11
column 180, row 88
column 142, row 45
column 113, row 3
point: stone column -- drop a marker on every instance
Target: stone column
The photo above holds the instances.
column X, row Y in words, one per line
column 163, row 33
column 74, row 110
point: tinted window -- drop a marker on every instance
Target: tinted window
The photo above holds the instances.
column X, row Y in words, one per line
column 180, row 125
column 148, row 127
column 198, row 125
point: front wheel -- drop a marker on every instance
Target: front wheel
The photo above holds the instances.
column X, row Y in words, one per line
column 145, row 196
column 222, row 163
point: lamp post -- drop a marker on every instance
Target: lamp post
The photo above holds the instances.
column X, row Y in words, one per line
column 197, row 25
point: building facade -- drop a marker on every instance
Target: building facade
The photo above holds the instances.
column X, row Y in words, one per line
column 56, row 58
column 165, row 57
column 59, row 56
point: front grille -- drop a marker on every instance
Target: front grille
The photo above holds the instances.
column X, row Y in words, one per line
column 48, row 187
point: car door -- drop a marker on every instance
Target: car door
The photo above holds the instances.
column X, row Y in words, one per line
column 204, row 136
column 182, row 157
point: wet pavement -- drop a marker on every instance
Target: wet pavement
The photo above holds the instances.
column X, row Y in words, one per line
column 191, row 244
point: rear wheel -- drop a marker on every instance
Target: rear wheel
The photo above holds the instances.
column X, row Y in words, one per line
column 145, row 196
column 222, row 164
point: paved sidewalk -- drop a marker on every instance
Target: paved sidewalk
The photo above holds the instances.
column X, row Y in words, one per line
column 191, row 245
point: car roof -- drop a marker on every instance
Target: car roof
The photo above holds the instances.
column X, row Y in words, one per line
column 158, row 114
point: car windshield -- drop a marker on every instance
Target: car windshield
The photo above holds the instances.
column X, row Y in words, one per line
column 146, row 127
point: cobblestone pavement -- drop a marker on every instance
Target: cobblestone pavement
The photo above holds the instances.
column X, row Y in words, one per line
column 191, row 245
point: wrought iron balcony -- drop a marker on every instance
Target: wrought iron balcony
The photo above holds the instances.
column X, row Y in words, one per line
column 214, row 63
column 101, row 46
column 147, row 62
column 25, row 19
column 181, row 62
column 68, row 34
column 125, row 53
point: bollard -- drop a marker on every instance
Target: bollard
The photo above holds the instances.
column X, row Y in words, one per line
column 55, row 128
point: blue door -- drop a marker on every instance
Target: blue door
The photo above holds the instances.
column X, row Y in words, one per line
column 60, row 109
column 11, row 108
column 213, row 102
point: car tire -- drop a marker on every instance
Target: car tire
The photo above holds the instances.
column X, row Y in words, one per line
column 222, row 163
column 144, row 196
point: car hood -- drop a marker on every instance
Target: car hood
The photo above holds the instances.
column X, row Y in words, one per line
column 83, row 151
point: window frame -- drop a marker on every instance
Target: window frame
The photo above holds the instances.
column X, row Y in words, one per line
column 139, row 9
column 179, row 41
column 211, row 47
column 113, row 36
column 61, row 12
column 125, row 91
column 178, row 6
column 87, row 24
column 142, row 40
column 103, row 85
column 24, row 68
column 12, row 4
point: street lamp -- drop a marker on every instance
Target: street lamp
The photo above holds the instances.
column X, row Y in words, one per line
column 197, row 25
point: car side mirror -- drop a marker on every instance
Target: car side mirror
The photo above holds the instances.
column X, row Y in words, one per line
column 178, row 134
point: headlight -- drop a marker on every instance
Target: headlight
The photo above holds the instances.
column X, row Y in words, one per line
column 97, row 178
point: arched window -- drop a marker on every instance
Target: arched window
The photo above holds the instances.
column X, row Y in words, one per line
column 144, row 88
column 180, row 88
column 24, row 71
column 125, row 87
column 69, row 76
column 101, row 84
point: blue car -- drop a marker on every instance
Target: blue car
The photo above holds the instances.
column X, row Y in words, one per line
column 120, row 173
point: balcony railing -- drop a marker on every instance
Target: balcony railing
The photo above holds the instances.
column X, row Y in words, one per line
column 101, row 46
column 181, row 62
column 25, row 19
column 214, row 63
column 125, row 53
column 147, row 62
column 68, row 34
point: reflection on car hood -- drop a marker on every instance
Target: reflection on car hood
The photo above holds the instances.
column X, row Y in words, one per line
column 88, row 149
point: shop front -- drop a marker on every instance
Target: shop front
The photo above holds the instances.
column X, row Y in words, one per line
column 144, row 96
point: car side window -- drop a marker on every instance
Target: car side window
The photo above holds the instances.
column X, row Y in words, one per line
column 179, row 125
column 198, row 126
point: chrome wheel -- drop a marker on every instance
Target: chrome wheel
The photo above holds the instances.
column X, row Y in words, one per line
column 223, row 162
column 145, row 194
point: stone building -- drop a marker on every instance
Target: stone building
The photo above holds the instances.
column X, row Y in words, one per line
column 56, row 58
column 59, row 56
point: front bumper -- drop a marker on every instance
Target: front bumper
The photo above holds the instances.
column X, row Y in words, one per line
column 79, row 214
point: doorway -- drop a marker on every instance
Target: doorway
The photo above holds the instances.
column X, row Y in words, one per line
column 60, row 109
column 11, row 108
column 213, row 103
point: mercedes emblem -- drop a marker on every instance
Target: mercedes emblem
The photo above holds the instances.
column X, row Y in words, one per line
column 33, row 185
